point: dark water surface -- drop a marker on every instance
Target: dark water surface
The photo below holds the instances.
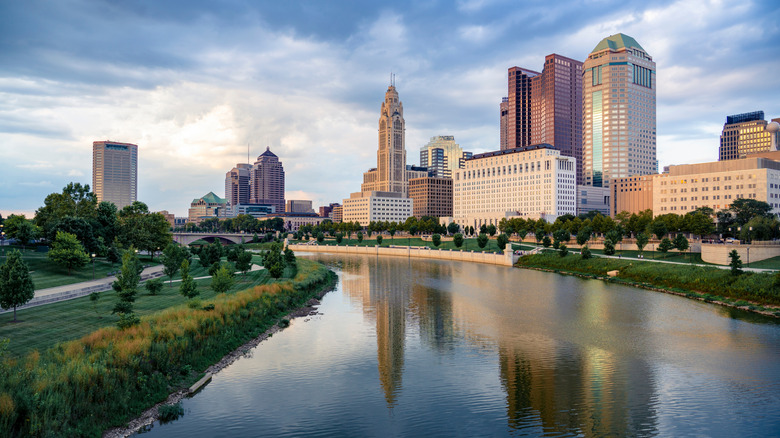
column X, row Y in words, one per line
column 408, row 347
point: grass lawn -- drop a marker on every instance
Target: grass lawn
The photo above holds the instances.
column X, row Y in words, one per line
column 773, row 263
column 468, row 244
column 46, row 274
column 44, row 326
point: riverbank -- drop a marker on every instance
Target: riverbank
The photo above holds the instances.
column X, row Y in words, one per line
column 83, row 387
column 755, row 292
column 411, row 251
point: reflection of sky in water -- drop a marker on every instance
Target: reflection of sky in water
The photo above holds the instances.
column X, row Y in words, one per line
column 410, row 347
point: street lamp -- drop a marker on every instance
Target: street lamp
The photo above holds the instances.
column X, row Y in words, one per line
column 93, row 266
column 748, row 257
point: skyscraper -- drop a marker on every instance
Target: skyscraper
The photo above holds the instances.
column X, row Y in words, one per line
column 237, row 184
column 556, row 107
column 503, row 110
column 745, row 134
column 267, row 181
column 115, row 172
column 618, row 123
column 390, row 172
column 518, row 128
column 442, row 156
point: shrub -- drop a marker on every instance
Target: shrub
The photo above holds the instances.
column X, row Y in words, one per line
column 154, row 286
column 436, row 239
column 379, row 239
column 586, row 254
column 168, row 413
column 482, row 240
column 609, row 247
column 563, row 250
column 457, row 239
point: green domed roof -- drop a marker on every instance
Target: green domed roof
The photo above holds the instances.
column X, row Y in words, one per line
column 616, row 42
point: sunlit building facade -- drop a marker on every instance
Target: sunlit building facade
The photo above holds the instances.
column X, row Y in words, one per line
column 441, row 156
column 115, row 172
column 745, row 134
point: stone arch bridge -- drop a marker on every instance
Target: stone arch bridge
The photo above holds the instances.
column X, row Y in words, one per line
column 224, row 238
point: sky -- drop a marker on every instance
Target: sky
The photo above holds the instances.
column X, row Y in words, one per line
column 195, row 83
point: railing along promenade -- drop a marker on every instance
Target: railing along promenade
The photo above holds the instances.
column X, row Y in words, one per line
column 506, row 259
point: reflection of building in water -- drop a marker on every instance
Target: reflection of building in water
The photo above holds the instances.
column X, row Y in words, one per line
column 433, row 305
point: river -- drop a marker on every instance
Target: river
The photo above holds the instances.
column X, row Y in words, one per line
column 410, row 347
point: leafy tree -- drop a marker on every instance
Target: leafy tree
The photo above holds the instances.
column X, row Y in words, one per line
column 453, row 228
column 699, row 224
column 171, row 259
column 16, row 285
column 222, row 280
column 187, row 288
column 113, row 255
column 584, row 235
column 680, row 242
column 154, row 286
column 26, row 233
column 76, row 200
column 735, row 262
column 586, row 254
column 471, row 230
column 659, row 229
column 482, row 240
column 759, row 228
column 746, row 209
column 436, row 239
column 563, row 250
column 641, row 241
column 80, row 227
column 93, row 298
column 289, row 257
column 339, row 238
column 244, row 261
column 539, row 234
column 142, row 229
column 614, row 236
column 491, row 229
column 609, row 247
column 320, row 237
column 68, row 252
column 378, row 239
column 210, row 254
column 501, row 241
column 360, row 236
column 546, row 241
column 483, row 229
column 126, row 287
column 560, row 235
column 522, row 233
column 274, row 262
column 457, row 239
column 665, row 245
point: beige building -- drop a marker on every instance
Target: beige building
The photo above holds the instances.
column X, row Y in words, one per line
column 337, row 214
column 533, row 182
column 115, row 172
column 619, row 123
column 390, row 173
column 716, row 185
column 747, row 133
column 431, row 196
column 633, row 194
column 294, row 221
column 206, row 207
column 298, row 206
column 441, row 156
column 365, row 207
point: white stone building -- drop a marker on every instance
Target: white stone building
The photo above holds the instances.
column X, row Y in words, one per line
column 364, row 207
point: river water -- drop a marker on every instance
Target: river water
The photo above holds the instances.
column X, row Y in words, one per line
column 409, row 347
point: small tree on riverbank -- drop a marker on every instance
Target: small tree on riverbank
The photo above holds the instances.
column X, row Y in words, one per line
column 501, row 241
column 586, row 254
column 171, row 259
column 436, row 239
column 563, row 250
column 641, row 241
column 482, row 240
column 457, row 239
column 735, row 262
column 126, row 287
column 67, row 251
column 665, row 245
column 187, row 288
column 222, row 280
column 379, row 239
column 16, row 286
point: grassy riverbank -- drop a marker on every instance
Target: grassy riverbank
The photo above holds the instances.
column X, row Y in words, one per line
column 468, row 244
column 82, row 387
column 750, row 290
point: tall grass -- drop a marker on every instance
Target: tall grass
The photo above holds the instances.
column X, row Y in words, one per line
column 82, row 387
column 758, row 287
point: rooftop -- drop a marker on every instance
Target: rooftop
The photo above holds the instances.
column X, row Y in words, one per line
column 210, row 198
column 617, row 42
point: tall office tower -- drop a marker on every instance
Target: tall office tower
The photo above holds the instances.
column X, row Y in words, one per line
column 115, row 172
column 237, row 184
column 442, row 156
column 745, row 134
column 556, row 107
column 504, row 112
column 390, row 172
column 618, row 111
column 519, row 108
column 266, row 181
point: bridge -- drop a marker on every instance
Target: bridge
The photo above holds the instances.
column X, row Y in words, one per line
column 224, row 238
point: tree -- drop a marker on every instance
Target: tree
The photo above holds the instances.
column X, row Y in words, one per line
column 453, row 228
column 559, row 236
column 546, row 241
column 760, row 228
column 680, row 242
column 222, row 280
column 457, row 239
column 735, row 262
column 171, row 259
column 491, row 230
column 126, row 287
column 609, row 247
column 320, row 237
column 522, row 233
column 665, row 245
column 26, row 233
column 154, row 286
column 482, row 240
column 586, row 254
column 699, row 224
column 93, row 298
column 339, row 238
column 379, row 239
column 289, row 257
column 244, row 261
column 187, row 288
column 360, row 236
column 563, row 250
column 68, row 252
column 273, row 261
column 16, row 285
column 210, row 254
column 641, row 241
column 659, row 228
column 746, row 209
column 501, row 241
column 436, row 239
column 584, row 235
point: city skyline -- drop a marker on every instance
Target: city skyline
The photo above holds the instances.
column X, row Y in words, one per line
column 192, row 86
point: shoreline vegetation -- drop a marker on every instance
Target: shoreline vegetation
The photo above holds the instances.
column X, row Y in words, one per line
column 755, row 292
column 110, row 376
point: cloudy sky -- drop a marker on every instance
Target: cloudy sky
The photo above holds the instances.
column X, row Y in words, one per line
column 194, row 82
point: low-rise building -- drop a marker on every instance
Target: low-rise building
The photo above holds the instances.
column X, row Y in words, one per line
column 298, row 206
column 431, row 196
column 337, row 214
column 254, row 210
column 532, row 182
column 206, row 207
column 364, row 207
column 293, row 221
column 592, row 198
column 633, row 194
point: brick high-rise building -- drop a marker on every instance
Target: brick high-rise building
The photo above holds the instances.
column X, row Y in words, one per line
column 431, row 196
column 237, row 184
column 267, row 181
column 503, row 110
column 518, row 122
column 115, row 172
column 618, row 106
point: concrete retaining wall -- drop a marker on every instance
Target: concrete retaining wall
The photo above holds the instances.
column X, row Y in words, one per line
column 719, row 252
column 506, row 259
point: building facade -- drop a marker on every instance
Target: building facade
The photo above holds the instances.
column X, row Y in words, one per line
column 206, row 207
column 503, row 110
column 298, row 206
column 633, row 194
column 255, row 210
column 267, row 181
column 518, row 129
column 294, row 221
column 442, row 156
column 337, row 214
column 390, row 173
column 619, row 112
column 431, row 196
column 115, row 172
column 590, row 198
column 326, row 210
column 364, row 207
column 237, row 184
column 533, row 182
column 745, row 134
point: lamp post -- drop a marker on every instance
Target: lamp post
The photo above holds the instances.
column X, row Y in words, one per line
column 748, row 257
column 93, row 266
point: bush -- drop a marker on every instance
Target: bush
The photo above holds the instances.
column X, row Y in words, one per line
column 194, row 303
column 379, row 239
column 609, row 247
column 586, row 254
column 563, row 250
column 168, row 413
column 436, row 239
column 154, row 286
column 457, row 239
column 482, row 240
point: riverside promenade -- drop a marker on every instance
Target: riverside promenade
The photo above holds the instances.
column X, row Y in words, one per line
column 505, row 259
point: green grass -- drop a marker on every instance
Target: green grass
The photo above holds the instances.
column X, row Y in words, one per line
column 773, row 263
column 468, row 244
column 44, row 326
